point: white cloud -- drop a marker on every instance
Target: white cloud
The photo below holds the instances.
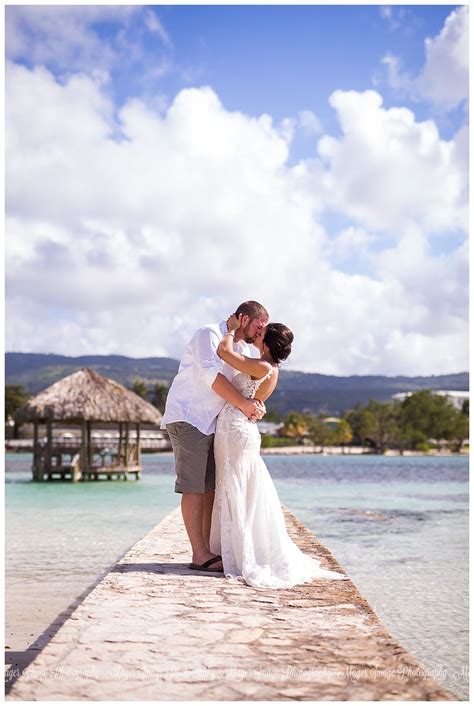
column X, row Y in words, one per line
column 435, row 288
column 350, row 243
column 155, row 25
column 128, row 245
column 444, row 78
column 388, row 171
column 310, row 122
column 69, row 38
column 61, row 34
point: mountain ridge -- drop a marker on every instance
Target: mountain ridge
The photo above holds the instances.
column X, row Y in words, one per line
column 297, row 390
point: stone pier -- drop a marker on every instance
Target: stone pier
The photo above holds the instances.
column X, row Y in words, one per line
column 153, row 629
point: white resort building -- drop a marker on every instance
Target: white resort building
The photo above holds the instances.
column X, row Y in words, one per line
column 456, row 397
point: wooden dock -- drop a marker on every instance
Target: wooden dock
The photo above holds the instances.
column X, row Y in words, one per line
column 152, row 629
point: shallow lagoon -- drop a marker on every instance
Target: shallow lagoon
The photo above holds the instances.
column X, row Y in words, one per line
column 398, row 526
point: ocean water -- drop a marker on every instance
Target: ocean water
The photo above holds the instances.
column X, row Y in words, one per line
column 398, row 526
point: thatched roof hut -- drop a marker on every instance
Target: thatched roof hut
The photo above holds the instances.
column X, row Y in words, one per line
column 87, row 396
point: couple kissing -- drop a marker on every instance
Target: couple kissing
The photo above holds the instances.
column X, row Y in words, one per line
column 230, row 506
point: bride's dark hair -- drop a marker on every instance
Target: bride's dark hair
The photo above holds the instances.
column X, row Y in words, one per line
column 278, row 338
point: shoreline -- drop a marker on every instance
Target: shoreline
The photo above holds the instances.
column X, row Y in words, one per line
column 313, row 450
column 354, row 451
column 316, row 641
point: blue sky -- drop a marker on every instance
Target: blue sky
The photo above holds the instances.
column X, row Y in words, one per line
column 143, row 113
column 284, row 59
column 270, row 59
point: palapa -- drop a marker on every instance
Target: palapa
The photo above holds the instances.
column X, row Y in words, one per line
column 87, row 396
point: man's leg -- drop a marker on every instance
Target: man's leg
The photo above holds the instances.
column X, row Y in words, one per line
column 192, row 506
column 207, row 504
column 191, row 453
column 209, row 493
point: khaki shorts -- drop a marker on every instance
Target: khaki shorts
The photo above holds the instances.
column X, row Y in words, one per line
column 194, row 458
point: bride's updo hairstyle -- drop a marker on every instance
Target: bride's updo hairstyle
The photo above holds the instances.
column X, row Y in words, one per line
column 278, row 338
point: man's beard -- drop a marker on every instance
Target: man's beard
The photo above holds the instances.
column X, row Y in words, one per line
column 246, row 337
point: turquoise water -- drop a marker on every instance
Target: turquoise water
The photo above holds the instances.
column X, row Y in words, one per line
column 398, row 526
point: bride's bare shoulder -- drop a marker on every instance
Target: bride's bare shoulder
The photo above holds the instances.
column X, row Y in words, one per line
column 264, row 370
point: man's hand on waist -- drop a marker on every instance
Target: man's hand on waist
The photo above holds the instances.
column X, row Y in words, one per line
column 253, row 410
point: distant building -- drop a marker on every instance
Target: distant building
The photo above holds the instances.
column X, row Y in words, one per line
column 270, row 428
column 456, row 397
column 332, row 422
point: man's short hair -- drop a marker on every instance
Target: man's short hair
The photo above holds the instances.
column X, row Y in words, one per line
column 252, row 309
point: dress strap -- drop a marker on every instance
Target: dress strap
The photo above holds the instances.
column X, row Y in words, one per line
column 265, row 377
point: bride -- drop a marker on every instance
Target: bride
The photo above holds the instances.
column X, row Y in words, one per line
column 248, row 527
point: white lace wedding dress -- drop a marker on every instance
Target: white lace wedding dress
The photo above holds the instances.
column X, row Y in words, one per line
column 248, row 526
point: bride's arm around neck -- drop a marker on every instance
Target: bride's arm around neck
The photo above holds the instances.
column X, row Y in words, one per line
column 252, row 366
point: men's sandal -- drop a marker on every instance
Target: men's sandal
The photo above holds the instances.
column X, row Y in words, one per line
column 207, row 564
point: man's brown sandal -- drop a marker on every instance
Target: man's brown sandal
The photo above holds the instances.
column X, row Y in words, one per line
column 207, row 564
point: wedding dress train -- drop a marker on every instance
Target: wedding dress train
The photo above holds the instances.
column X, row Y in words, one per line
column 248, row 526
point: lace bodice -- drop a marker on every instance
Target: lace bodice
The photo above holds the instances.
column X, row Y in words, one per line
column 246, row 385
column 231, row 417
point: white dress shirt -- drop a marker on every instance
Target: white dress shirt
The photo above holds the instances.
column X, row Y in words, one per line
column 191, row 397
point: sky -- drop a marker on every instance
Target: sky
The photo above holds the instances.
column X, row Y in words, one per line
column 165, row 163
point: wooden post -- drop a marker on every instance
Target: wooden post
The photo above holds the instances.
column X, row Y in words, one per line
column 139, row 460
column 84, row 451
column 35, row 451
column 49, row 448
column 89, row 445
column 126, row 443
column 119, row 454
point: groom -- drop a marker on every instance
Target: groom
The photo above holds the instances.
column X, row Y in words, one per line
column 196, row 396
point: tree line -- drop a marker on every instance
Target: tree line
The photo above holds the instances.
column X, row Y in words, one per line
column 156, row 395
column 414, row 424
column 411, row 424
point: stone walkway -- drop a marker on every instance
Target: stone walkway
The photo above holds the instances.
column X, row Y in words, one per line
column 152, row 629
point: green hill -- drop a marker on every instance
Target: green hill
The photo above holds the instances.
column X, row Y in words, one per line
column 330, row 394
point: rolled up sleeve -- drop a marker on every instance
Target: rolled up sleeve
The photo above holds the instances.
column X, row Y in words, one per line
column 205, row 352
